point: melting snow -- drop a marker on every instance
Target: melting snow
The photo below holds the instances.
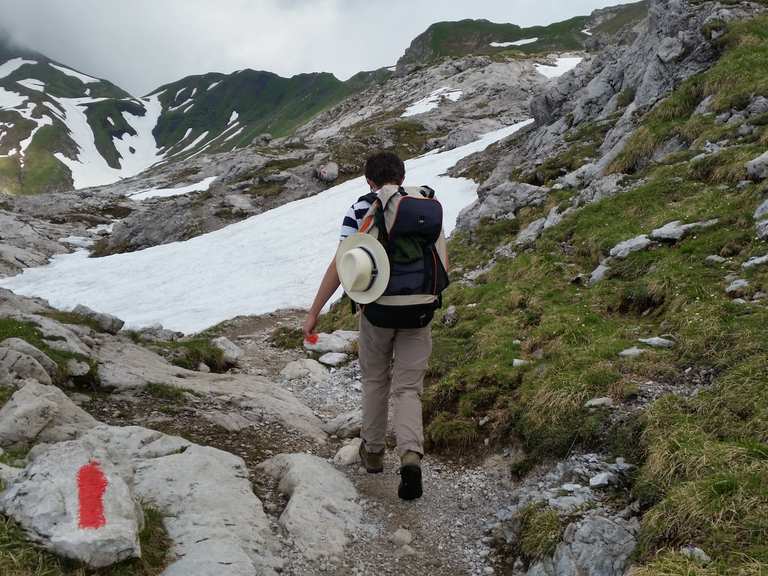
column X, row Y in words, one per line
column 32, row 84
column 84, row 78
column 9, row 67
column 10, row 99
column 237, row 133
column 562, row 66
column 270, row 261
column 233, row 118
column 212, row 86
column 587, row 32
column 90, row 168
column 431, row 102
column 169, row 192
column 515, row 43
column 197, row 141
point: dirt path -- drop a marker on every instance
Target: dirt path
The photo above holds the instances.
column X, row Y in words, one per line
column 447, row 525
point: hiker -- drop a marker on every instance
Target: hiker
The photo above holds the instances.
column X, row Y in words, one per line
column 392, row 262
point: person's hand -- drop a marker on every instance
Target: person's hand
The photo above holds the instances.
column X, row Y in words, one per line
column 309, row 325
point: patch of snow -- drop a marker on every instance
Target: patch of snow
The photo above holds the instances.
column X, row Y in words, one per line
column 392, row 69
column 89, row 168
column 102, row 228
column 234, row 134
column 432, row 101
column 32, row 84
column 169, row 192
column 182, row 105
column 197, row 141
column 212, row 86
column 194, row 91
column 79, row 241
column 111, row 122
column 186, row 134
column 587, row 32
column 9, row 67
column 562, row 66
column 84, row 78
column 233, row 118
column 270, row 261
column 179, row 92
column 24, row 144
column 10, row 99
column 515, row 43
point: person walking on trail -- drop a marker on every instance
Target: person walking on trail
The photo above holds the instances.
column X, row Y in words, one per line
column 392, row 263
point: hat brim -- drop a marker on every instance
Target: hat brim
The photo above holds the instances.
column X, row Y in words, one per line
column 381, row 260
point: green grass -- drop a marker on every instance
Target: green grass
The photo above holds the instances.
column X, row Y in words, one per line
column 287, row 338
column 19, row 557
column 166, row 392
column 541, row 531
column 630, row 15
column 190, row 354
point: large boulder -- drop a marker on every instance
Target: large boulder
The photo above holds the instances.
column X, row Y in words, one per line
column 40, row 413
column 342, row 341
column 347, row 425
column 328, row 172
column 676, row 231
column 231, row 352
column 305, row 368
column 594, row 546
column 624, row 249
column 24, row 347
column 501, row 202
column 320, row 496
column 75, row 502
column 20, row 366
column 758, row 168
column 106, row 322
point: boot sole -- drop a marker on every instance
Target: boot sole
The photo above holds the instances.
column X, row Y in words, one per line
column 410, row 483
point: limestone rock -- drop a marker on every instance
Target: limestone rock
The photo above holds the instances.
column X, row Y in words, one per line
column 501, row 202
column 633, row 352
column 762, row 211
column 624, row 249
column 450, row 317
column 305, row 368
column 39, row 413
column 675, row 231
column 762, row 230
column 23, row 347
column 346, row 425
column 333, row 359
column 602, row 480
column 530, row 233
column 599, row 403
column 106, row 322
column 341, row 341
column 319, row 495
column 44, row 501
column 697, row 554
column 20, row 366
column 231, row 351
column 657, row 342
column 754, row 262
column 76, row 368
column 599, row 274
column 328, row 172
column 349, row 454
column 56, row 335
column 758, row 168
column 401, row 537
column 737, row 288
column 714, row 260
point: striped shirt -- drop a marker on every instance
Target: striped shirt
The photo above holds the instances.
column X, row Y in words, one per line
column 354, row 218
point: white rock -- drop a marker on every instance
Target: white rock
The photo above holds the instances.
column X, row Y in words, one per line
column 333, row 359
column 599, row 402
column 714, row 259
column 601, row 480
column 320, row 496
column 633, row 352
column 599, row 274
column 519, row 363
column 44, row 501
column 451, row 316
column 24, row 347
column 762, row 211
column 696, row 554
column 230, row 421
column 345, row 425
column 20, row 366
column 340, row 341
column 737, row 288
column 674, row 231
column 758, row 168
column 76, row 368
column 41, row 413
column 232, row 352
column 305, row 368
column 624, row 249
column 657, row 342
column 349, row 454
column 531, row 232
column 754, row 262
column 106, row 322
column 204, row 368
column 401, row 537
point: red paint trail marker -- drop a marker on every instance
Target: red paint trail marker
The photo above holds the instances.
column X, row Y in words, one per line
column 312, row 339
column 91, row 486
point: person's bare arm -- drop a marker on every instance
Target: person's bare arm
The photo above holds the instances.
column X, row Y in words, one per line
column 328, row 287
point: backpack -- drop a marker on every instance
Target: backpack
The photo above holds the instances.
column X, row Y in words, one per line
column 409, row 224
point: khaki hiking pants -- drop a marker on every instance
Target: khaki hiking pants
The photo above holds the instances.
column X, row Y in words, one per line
column 393, row 361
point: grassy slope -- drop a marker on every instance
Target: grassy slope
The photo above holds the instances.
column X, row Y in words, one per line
column 703, row 461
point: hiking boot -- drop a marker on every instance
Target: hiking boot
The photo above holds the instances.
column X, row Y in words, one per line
column 410, row 476
column 373, row 461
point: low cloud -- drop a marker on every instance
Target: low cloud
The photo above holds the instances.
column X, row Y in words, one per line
column 142, row 44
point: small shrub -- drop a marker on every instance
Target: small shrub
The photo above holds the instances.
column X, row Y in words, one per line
column 540, row 533
column 165, row 392
column 447, row 431
column 287, row 338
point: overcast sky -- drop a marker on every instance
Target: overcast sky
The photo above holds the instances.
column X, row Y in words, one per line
column 141, row 44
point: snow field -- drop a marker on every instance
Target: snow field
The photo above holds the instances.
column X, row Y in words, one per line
column 432, row 101
column 270, row 261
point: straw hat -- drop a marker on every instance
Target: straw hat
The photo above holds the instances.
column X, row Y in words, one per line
column 363, row 267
